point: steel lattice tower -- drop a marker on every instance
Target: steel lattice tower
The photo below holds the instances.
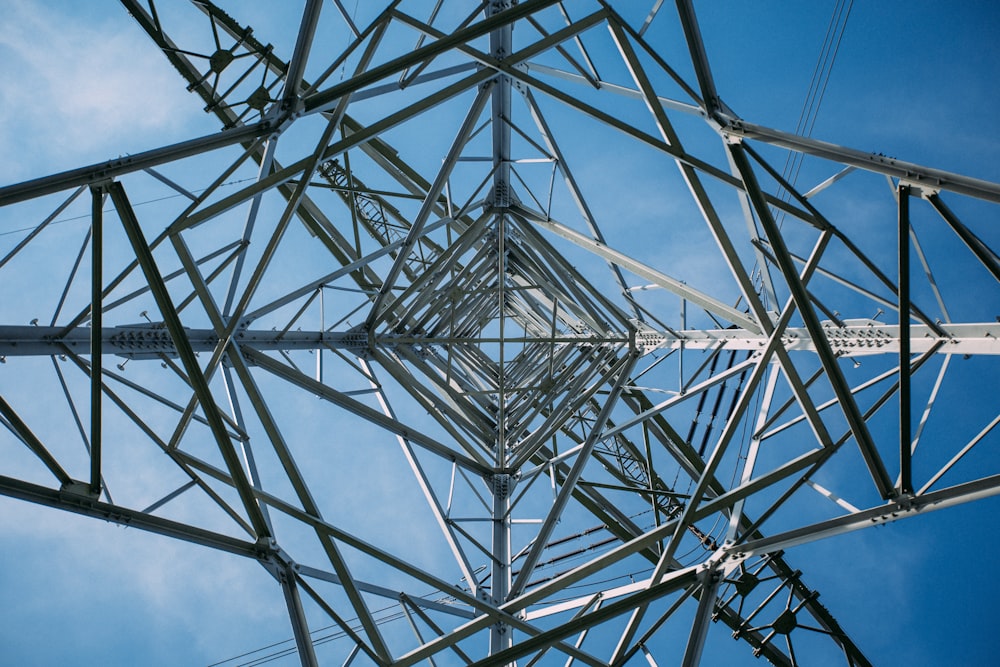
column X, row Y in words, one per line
column 611, row 430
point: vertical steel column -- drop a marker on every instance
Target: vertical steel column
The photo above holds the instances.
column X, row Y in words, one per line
column 96, row 328
column 501, row 634
column 905, row 437
column 501, row 46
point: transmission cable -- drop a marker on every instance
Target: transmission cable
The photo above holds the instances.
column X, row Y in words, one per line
column 817, row 87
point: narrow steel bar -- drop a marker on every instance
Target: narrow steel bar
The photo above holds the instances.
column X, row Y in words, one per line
column 197, row 379
column 124, row 516
column 623, row 371
column 905, row 425
column 296, row 615
column 709, row 579
column 358, row 408
column 96, row 337
column 377, row 315
column 425, row 486
column 388, row 593
column 266, row 162
column 300, row 54
column 672, row 582
column 281, row 449
column 909, row 172
column 699, row 58
column 41, row 226
column 321, row 100
column 309, row 166
column 670, row 284
column 833, row 371
column 957, row 457
column 562, row 166
column 893, row 511
column 25, row 434
column 347, row 628
column 125, row 165
column 69, row 283
column 982, row 252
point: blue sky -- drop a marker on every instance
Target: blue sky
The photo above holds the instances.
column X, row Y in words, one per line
column 914, row 80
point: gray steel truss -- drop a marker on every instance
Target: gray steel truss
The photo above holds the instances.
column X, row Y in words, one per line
column 606, row 447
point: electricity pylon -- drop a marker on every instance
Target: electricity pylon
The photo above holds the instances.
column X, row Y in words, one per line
column 619, row 409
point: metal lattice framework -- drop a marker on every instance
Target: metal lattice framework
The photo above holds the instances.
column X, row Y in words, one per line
column 614, row 429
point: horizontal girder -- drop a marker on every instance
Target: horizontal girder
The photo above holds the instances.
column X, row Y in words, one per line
column 855, row 338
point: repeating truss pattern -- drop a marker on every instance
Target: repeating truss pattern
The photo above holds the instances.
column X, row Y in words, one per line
column 614, row 428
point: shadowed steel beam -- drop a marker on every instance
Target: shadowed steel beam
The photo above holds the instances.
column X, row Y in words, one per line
column 907, row 171
column 124, row 165
column 982, row 252
column 905, row 427
column 297, row 64
column 96, row 315
column 25, row 434
column 696, row 47
column 833, row 371
column 909, row 507
column 124, row 516
column 195, row 376
column 296, row 615
column 321, row 100
column 709, row 579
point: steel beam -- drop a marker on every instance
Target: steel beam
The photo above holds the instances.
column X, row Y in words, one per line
column 124, row 516
column 103, row 171
column 194, row 373
column 905, row 425
column 909, row 172
column 96, row 327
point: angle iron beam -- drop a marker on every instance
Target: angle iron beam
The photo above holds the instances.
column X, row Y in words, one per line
column 905, row 424
column 983, row 253
column 296, row 615
column 876, row 516
column 370, row 414
column 96, row 337
column 321, row 100
column 829, row 361
column 102, row 171
column 198, row 381
column 673, row 285
column 907, row 171
column 623, row 369
column 300, row 53
column 26, row 436
column 699, row 58
column 125, row 516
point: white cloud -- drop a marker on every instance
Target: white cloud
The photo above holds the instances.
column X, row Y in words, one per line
column 74, row 92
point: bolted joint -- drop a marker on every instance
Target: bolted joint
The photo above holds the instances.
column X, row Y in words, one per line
column 503, row 484
column 275, row 559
